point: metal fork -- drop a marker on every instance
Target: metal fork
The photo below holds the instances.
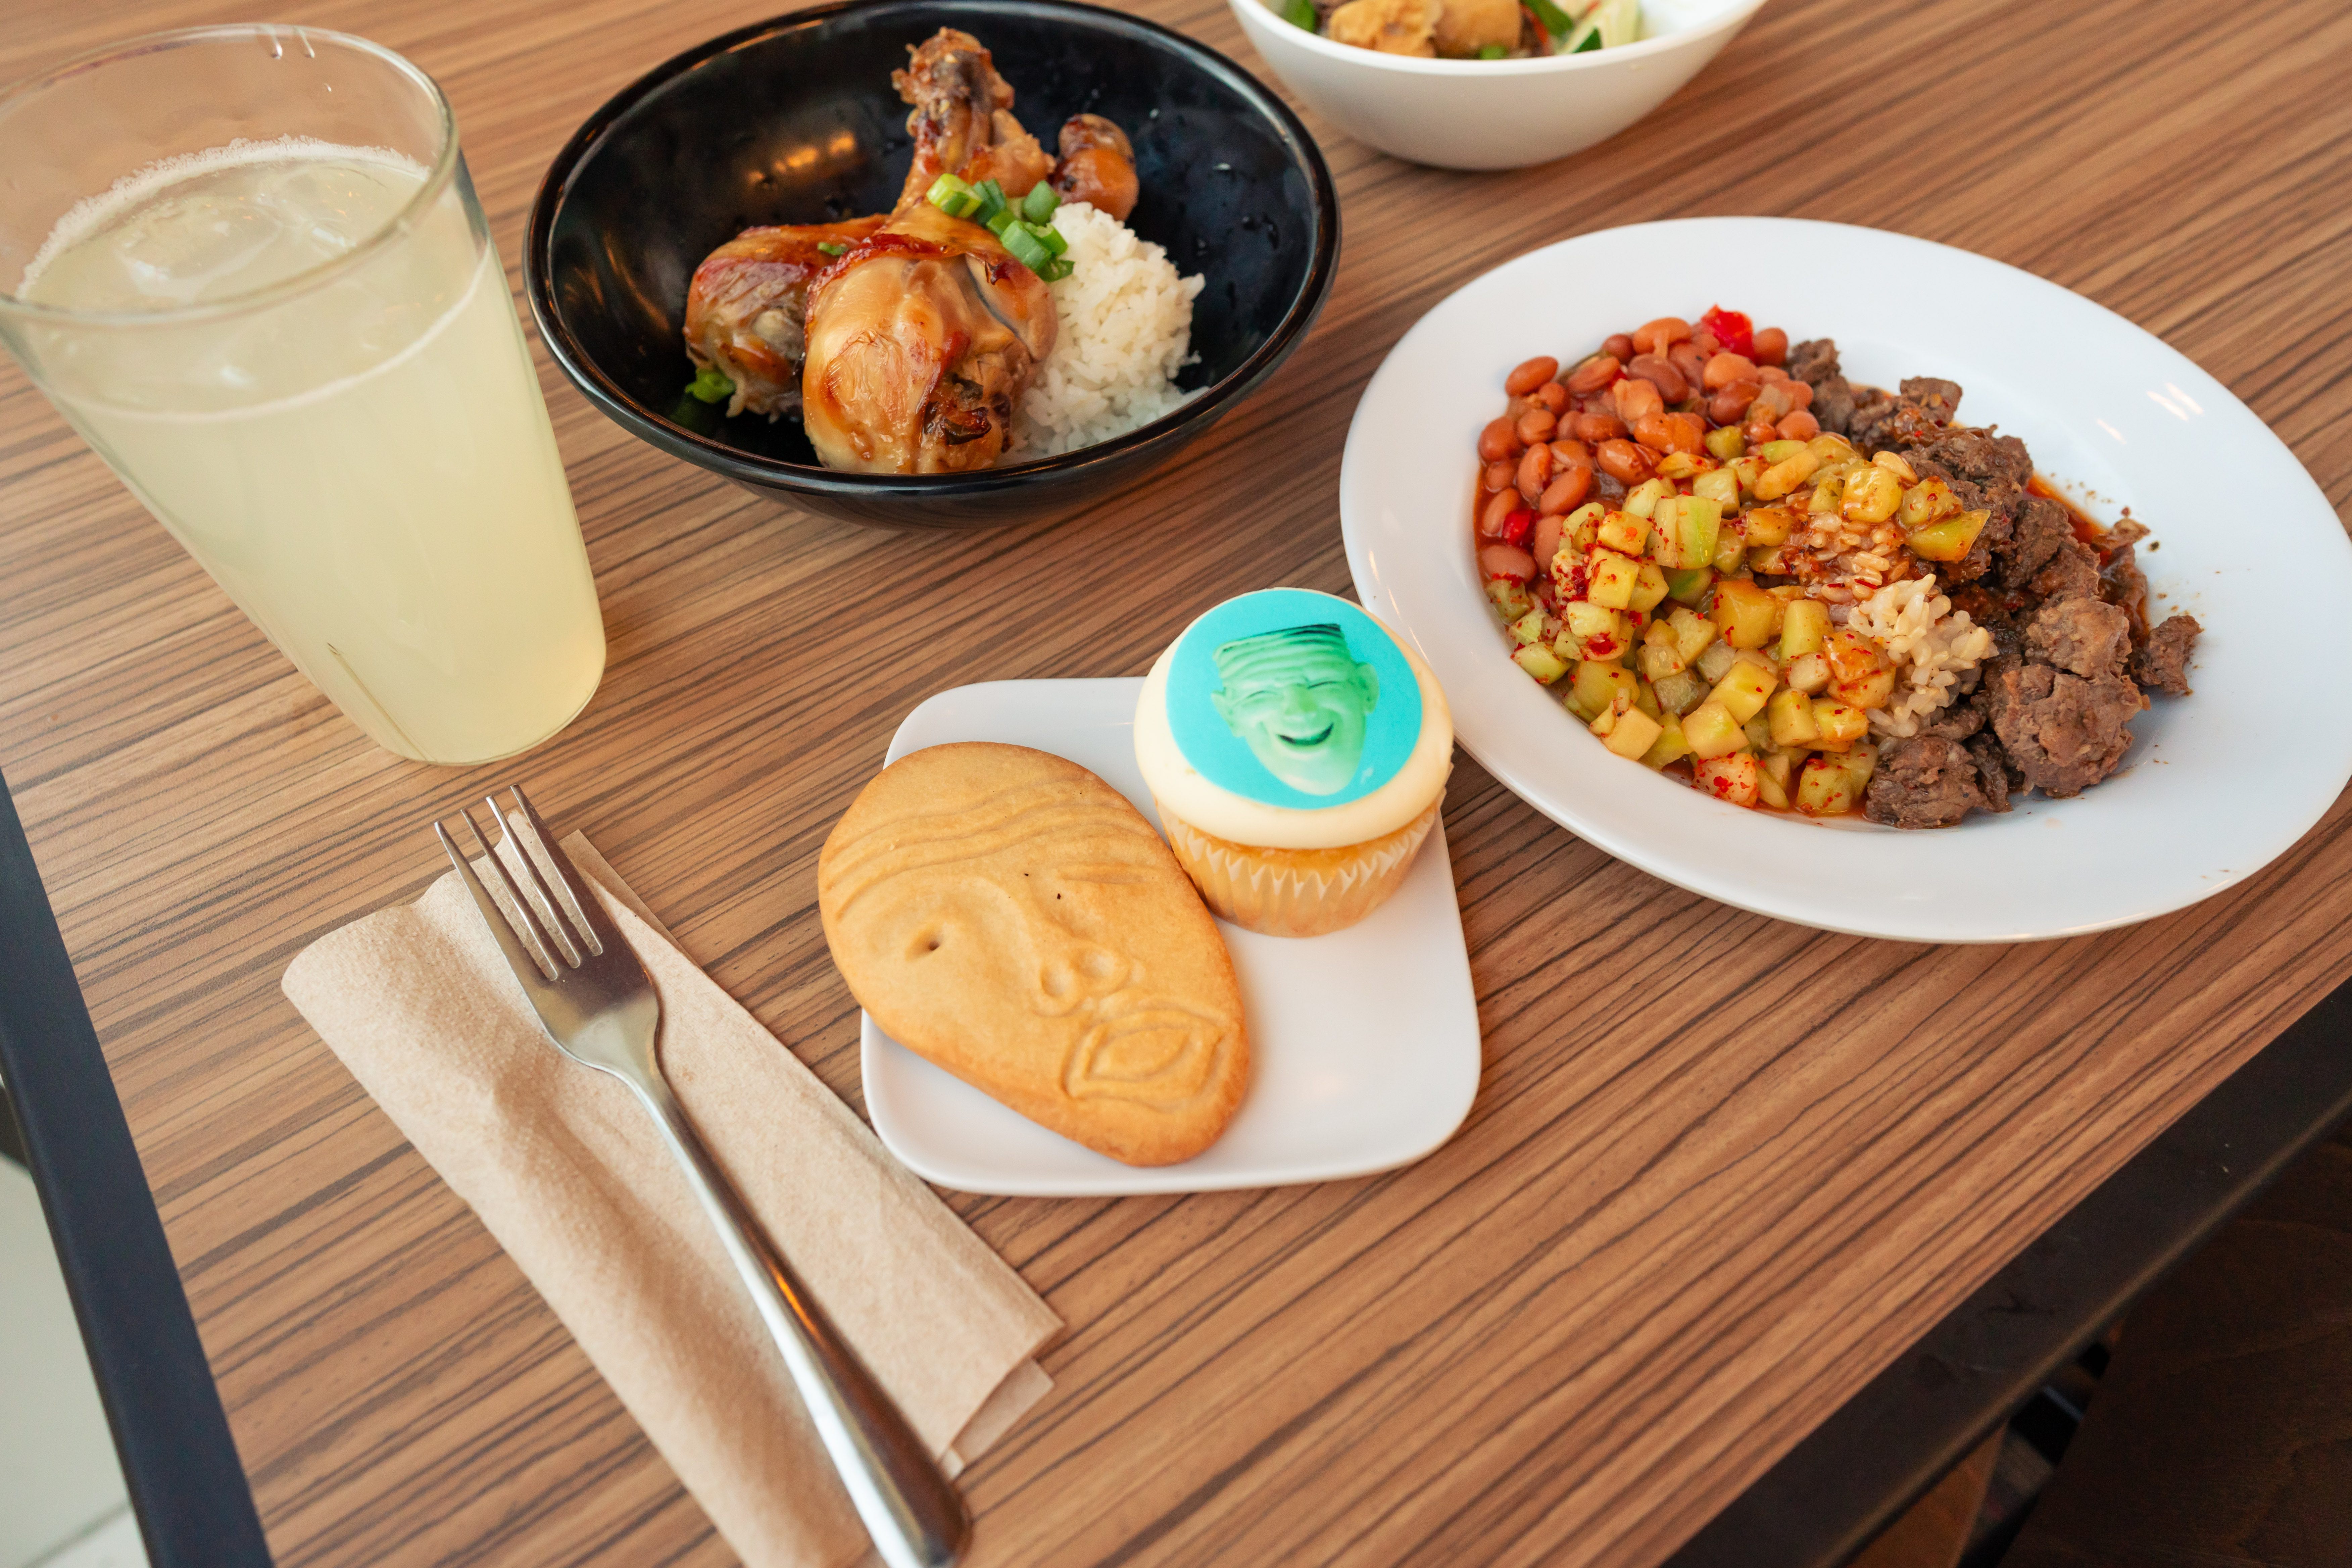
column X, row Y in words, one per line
column 595, row 1002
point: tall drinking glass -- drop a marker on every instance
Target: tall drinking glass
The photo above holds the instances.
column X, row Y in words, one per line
column 247, row 265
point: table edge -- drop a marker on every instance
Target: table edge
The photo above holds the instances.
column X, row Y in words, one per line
column 172, row 1437
column 1886, row 1445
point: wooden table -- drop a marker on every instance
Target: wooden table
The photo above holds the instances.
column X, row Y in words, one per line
column 1720, row 1170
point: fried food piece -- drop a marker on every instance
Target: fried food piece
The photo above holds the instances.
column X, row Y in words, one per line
column 1466, row 27
column 1390, row 27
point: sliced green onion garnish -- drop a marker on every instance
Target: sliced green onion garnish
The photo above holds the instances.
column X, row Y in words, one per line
column 1491, row 51
column 830, row 248
column 1058, row 268
column 953, row 196
column 1001, row 219
column 1027, row 248
column 1555, row 21
column 1300, row 14
column 1048, row 236
column 1039, row 204
column 992, row 202
column 1588, row 43
column 711, row 385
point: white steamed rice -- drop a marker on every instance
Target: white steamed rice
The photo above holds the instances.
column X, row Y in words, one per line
column 1126, row 327
column 1932, row 646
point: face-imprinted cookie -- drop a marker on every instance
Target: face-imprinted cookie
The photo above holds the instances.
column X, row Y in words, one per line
column 1008, row 915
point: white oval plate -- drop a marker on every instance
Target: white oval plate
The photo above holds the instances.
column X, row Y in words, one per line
column 1364, row 1050
column 2217, row 784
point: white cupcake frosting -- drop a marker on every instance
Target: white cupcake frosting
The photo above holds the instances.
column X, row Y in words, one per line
column 1183, row 790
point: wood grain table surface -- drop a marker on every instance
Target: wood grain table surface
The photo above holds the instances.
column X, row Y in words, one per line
column 1720, row 1169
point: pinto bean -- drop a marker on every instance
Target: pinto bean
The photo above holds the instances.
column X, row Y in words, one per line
column 1551, row 394
column 1506, row 561
column 1769, row 373
column 1706, row 343
column 1692, row 430
column 1568, row 449
column 1759, row 431
column 1660, row 373
column 1599, row 427
column 1771, row 346
column 1655, row 337
column 1531, row 375
column 1724, row 369
column 1535, row 424
column 1800, row 393
column 1637, row 396
column 1685, row 358
column 1567, row 492
column 1546, row 540
column 1731, row 401
column 1618, row 345
column 1535, row 472
column 1800, row 425
column 1595, row 373
column 1499, row 442
column 1498, row 477
column 1623, row 461
column 1498, row 510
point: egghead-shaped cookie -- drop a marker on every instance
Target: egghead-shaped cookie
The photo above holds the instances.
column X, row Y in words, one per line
column 1011, row 917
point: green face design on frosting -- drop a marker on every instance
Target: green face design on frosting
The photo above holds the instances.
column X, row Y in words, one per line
column 1299, row 701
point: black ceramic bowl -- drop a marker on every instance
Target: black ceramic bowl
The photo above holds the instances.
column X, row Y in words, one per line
column 794, row 121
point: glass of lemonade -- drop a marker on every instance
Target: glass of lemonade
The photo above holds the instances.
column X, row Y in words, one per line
column 246, row 263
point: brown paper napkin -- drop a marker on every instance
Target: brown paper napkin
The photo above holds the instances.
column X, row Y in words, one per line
column 565, row 1169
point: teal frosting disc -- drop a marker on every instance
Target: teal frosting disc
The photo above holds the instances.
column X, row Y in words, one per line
column 1291, row 698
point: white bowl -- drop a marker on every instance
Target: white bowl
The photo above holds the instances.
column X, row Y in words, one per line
column 1494, row 115
column 2216, row 786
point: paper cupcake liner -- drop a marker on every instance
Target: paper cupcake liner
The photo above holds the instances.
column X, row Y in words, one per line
column 1296, row 893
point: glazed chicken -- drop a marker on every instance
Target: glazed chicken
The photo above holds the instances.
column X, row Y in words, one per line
column 747, row 309
column 920, row 347
column 908, row 352
column 923, row 341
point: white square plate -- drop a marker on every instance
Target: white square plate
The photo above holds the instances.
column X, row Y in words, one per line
column 1363, row 1044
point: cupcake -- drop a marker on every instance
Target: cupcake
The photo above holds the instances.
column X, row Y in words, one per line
column 1298, row 754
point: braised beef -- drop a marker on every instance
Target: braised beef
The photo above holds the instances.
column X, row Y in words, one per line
column 2074, row 570
column 2051, row 710
column 1879, row 422
column 1923, row 781
column 1958, row 722
column 1813, row 361
column 1993, row 773
column 1834, row 404
column 1939, row 397
column 2079, row 633
column 2062, row 734
column 2123, row 584
column 1981, row 456
column 1816, row 365
column 2162, row 662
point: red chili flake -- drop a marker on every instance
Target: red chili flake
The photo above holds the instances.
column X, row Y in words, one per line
column 1735, row 332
